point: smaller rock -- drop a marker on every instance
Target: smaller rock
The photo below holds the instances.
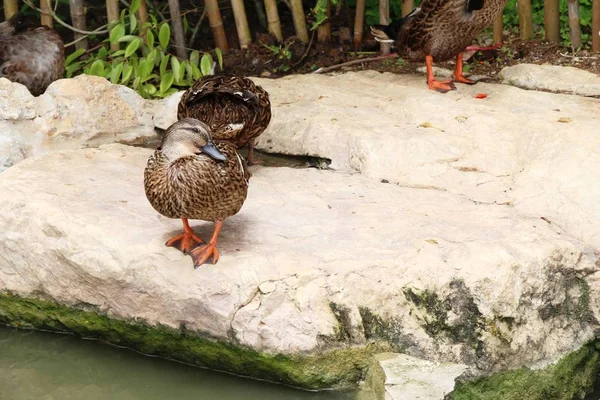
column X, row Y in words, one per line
column 15, row 101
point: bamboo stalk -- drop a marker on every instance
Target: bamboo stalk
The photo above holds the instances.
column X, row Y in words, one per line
column 384, row 19
column 596, row 26
column 260, row 13
column 46, row 18
column 574, row 27
column 10, row 8
column 551, row 21
column 273, row 19
column 142, row 15
column 241, row 23
column 216, row 24
column 177, row 25
column 324, row 30
column 407, row 7
column 112, row 12
column 498, row 29
column 299, row 20
column 359, row 22
column 78, row 20
column 525, row 19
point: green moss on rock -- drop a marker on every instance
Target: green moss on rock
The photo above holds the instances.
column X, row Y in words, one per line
column 573, row 377
column 334, row 368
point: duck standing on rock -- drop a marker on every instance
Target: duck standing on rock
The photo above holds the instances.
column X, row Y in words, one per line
column 235, row 109
column 439, row 30
column 30, row 54
column 191, row 177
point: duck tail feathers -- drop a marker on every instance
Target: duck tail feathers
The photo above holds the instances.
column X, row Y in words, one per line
column 381, row 33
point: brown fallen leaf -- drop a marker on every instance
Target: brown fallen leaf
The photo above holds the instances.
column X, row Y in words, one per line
column 565, row 120
column 432, row 241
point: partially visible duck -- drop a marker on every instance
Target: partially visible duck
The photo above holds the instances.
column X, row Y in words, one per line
column 30, row 54
column 439, row 30
column 233, row 107
column 191, row 177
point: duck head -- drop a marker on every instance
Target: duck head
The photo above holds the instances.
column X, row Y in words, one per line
column 189, row 137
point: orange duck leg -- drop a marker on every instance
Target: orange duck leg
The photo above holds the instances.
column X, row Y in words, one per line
column 439, row 86
column 458, row 72
column 209, row 251
column 187, row 241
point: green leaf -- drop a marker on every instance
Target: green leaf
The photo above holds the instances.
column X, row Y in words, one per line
column 127, row 72
column 175, row 68
column 132, row 47
column 73, row 56
column 189, row 71
column 196, row 74
column 122, row 16
column 135, row 4
column 71, row 69
column 115, row 73
column 150, row 39
column 127, row 38
column 117, row 33
column 136, row 83
column 166, row 82
column 182, row 72
column 219, row 54
column 145, row 68
column 164, row 35
column 206, row 64
column 132, row 23
column 97, row 68
column 195, row 57
column 118, row 53
column 150, row 88
column 163, row 64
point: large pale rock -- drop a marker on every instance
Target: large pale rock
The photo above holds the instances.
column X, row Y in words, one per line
column 552, row 78
column 314, row 260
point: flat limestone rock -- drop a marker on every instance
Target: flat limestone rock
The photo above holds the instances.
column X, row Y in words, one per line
column 315, row 260
column 553, row 78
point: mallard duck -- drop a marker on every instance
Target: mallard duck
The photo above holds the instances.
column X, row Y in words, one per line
column 30, row 54
column 439, row 30
column 191, row 177
column 234, row 108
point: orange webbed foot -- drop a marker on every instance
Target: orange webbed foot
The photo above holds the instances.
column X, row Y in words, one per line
column 462, row 79
column 441, row 86
column 185, row 242
column 205, row 253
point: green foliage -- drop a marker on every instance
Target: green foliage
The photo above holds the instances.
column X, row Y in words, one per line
column 284, row 56
column 146, row 67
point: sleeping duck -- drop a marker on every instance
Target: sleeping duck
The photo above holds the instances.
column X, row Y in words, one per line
column 234, row 108
column 30, row 54
column 439, row 30
column 191, row 177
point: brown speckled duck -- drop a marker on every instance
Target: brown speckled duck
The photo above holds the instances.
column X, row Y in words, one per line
column 30, row 54
column 191, row 177
column 439, row 30
column 234, row 108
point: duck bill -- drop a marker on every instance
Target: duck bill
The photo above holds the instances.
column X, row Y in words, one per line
column 211, row 150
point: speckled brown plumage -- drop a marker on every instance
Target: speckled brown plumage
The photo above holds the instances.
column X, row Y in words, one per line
column 440, row 29
column 191, row 177
column 30, row 54
column 233, row 107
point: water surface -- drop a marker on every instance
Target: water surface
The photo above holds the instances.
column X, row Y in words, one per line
column 49, row 366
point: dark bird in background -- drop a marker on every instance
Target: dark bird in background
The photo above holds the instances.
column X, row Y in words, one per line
column 30, row 54
column 235, row 109
column 439, row 30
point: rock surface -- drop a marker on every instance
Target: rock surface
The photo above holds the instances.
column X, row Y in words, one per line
column 553, row 78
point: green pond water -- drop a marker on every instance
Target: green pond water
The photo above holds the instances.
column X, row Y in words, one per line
column 49, row 366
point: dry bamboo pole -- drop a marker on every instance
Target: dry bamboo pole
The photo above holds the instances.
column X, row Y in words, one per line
column 273, row 19
column 46, row 18
column 498, row 29
column 574, row 27
column 551, row 21
column 359, row 22
column 384, row 19
column 407, row 7
column 112, row 13
column 525, row 19
column 324, row 30
column 10, row 8
column 78, row 19
column 177, row 25
column 216, row 24
column 142, row 15
column 241, row 23
column 596, row 26
column 299, row 20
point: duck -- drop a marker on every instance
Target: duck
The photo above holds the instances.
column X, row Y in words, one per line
column 30, row 54
column 235, row 108
column 190, row 176
column 439, row 30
